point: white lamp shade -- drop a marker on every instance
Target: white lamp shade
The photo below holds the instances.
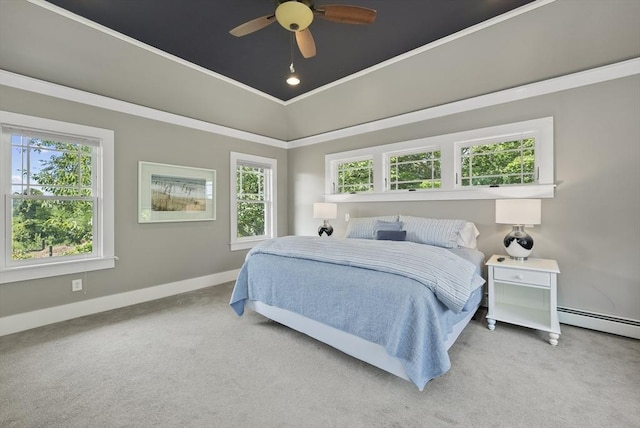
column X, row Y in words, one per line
column 518, row 211
column 325, row 210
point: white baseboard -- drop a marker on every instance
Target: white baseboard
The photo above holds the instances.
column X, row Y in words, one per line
column 28, row 320
column 604, row 323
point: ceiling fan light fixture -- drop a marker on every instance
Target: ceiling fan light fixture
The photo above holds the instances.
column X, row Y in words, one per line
column 294, row 16
column 293, row 80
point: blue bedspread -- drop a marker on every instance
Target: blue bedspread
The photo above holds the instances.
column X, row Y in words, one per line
column 398, row 312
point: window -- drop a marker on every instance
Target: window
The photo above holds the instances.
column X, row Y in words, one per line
column 415, row 171
column 504, row 161
column 498, row 163
column 355, row 176
column 57, row 186
column 253, row 200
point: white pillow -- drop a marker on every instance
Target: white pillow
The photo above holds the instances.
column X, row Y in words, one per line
column 468, row 235
column 432, row 231
column 365, row 227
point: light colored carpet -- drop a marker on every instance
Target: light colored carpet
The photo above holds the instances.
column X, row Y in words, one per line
column 189, row 361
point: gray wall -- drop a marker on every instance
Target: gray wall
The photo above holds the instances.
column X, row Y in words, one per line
column 150, row 254
column 591, row 226
column 556, row 39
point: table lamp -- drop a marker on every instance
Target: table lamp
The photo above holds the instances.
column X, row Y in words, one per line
column 325, row 211
column 518, row 212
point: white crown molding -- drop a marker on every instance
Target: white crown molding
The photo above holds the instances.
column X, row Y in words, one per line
column 571, row 81
column 605, row 73
column 42, row 87
column 28, row 320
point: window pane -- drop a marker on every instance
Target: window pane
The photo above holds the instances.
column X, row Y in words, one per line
column 53, row 167
column 355, row 176
column 250, row 184
column 251, row 200
column 251, row 219
column 415, row 171
column 508, row 162
column 48, row 224
column 51, row 228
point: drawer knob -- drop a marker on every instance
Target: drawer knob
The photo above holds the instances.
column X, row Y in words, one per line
column 519, row 276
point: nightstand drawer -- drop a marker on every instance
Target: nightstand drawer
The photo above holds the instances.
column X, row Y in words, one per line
column 522, row 276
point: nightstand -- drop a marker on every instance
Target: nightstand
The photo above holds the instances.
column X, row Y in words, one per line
column 524, row 293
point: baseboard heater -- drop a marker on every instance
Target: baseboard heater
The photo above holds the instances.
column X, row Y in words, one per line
column 594, row 321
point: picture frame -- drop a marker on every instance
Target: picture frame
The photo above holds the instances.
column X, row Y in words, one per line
column 173, row 193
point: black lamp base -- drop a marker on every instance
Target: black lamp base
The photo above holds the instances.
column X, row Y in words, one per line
column 518, row 243
column 325, row 228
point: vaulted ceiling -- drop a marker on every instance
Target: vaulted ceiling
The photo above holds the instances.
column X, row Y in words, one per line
column 198, row 31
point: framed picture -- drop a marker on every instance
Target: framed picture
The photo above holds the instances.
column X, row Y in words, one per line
column 175, row 193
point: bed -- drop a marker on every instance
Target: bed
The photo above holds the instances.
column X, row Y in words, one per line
column 395, row 292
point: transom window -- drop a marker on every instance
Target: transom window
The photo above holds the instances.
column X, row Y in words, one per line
column 498, row 163
column 514, row 160
column 355, row 176
column 415, row 171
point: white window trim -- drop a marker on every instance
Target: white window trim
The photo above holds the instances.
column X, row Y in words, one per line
column 449, row 146
column 271, row 226
column 104, row 257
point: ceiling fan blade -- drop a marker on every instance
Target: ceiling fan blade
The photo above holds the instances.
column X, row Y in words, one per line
column 305, row 43
column 253, row 25
column 347, row 14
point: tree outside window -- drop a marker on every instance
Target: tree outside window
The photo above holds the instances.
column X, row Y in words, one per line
column 415, row 171
column 501, row 163
column 251, row 195
column 52, row 198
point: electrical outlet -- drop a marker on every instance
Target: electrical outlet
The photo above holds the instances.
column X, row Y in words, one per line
column 347, row 217
column 76, row 285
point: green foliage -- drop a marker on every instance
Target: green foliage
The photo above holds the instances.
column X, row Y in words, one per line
column 415, row 171
column 250, row 189
column 355, row 176
column 44, row 216
column 511, row 162
column 502, row 163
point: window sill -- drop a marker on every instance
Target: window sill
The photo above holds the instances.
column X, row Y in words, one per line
column 530, row 191
column 24, row 273
column 245, row 245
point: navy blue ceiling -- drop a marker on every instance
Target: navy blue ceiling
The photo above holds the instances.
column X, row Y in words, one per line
column 198, row 31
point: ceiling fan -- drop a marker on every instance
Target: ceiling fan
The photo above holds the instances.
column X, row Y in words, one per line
column 297, row 15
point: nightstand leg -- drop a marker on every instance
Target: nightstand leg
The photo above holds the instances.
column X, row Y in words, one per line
column 491, row 324
column 553, row 338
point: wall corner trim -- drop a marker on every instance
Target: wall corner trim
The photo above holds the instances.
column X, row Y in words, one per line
column 28, row 320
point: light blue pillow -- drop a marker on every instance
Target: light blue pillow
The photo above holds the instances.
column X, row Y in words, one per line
column 432, row 231
column 365, row 227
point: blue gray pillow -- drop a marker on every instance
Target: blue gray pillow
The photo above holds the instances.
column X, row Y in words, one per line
column 391, row 235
